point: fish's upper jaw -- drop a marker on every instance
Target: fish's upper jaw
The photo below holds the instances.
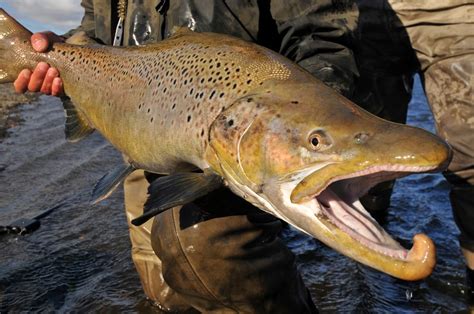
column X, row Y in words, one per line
column 316, row 182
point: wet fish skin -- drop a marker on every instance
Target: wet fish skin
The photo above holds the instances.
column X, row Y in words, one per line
column 276, row 135
column 182, row 83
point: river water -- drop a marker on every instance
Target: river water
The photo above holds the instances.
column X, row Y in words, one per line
column 79, row 259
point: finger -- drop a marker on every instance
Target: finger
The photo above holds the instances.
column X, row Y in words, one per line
column 38, row 76
column 21, row 83
column 48, row 80
column 57, row 87
column 42, row 41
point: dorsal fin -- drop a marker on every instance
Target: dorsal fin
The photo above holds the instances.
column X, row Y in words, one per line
column 77, row 126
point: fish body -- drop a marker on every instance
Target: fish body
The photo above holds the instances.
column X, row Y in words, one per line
column 174, row 89
column 262, row 125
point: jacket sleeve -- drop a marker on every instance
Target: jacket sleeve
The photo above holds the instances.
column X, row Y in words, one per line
column 316, row 35
column 88, row 23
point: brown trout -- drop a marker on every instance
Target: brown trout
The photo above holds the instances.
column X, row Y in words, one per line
column 207, row 109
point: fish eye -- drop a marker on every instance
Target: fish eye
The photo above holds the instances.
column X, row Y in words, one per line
column 317, row 140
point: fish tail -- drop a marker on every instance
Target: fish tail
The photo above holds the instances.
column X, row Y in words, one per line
column 14, row 39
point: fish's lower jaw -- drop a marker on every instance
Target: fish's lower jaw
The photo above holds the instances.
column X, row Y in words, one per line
column 371, row 246
column 410, row 265
column 419, row 262
column 423, row 257
column 356, row 234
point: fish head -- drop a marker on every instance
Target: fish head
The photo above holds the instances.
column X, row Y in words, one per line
column 306, row 155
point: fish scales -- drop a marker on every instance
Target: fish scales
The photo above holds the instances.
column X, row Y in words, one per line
column 156, row 103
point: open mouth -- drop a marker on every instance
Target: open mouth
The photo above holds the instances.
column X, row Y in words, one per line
column 339, row 203
column 323, row 202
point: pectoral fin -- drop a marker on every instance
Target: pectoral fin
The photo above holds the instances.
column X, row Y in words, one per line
column 108, row 183
column 76, row 124
column 178, row 189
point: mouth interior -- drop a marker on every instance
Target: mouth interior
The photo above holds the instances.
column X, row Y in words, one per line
column 339, row 202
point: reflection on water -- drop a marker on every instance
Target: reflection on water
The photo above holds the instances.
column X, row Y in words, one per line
column 80, row 257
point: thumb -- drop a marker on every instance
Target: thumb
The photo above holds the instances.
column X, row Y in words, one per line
column 40, row 42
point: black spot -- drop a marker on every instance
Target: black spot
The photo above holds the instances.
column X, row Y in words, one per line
column 294, row 102
column 189, row 118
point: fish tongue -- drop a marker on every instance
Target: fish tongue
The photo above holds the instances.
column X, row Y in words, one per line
column 349, row 218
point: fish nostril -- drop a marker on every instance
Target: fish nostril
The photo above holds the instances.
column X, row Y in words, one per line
column 361, row 138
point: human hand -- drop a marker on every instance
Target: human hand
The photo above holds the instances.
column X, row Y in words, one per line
column 44, row 79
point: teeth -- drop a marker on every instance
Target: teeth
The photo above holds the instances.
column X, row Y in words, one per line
column 350, row 217
column 355, row 221
column 345, row 211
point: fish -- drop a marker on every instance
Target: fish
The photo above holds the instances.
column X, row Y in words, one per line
column 207, row 110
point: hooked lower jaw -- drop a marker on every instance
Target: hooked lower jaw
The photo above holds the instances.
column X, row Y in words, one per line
column 356, row 234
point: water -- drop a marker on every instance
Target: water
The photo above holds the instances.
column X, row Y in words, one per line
column 79, row 260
